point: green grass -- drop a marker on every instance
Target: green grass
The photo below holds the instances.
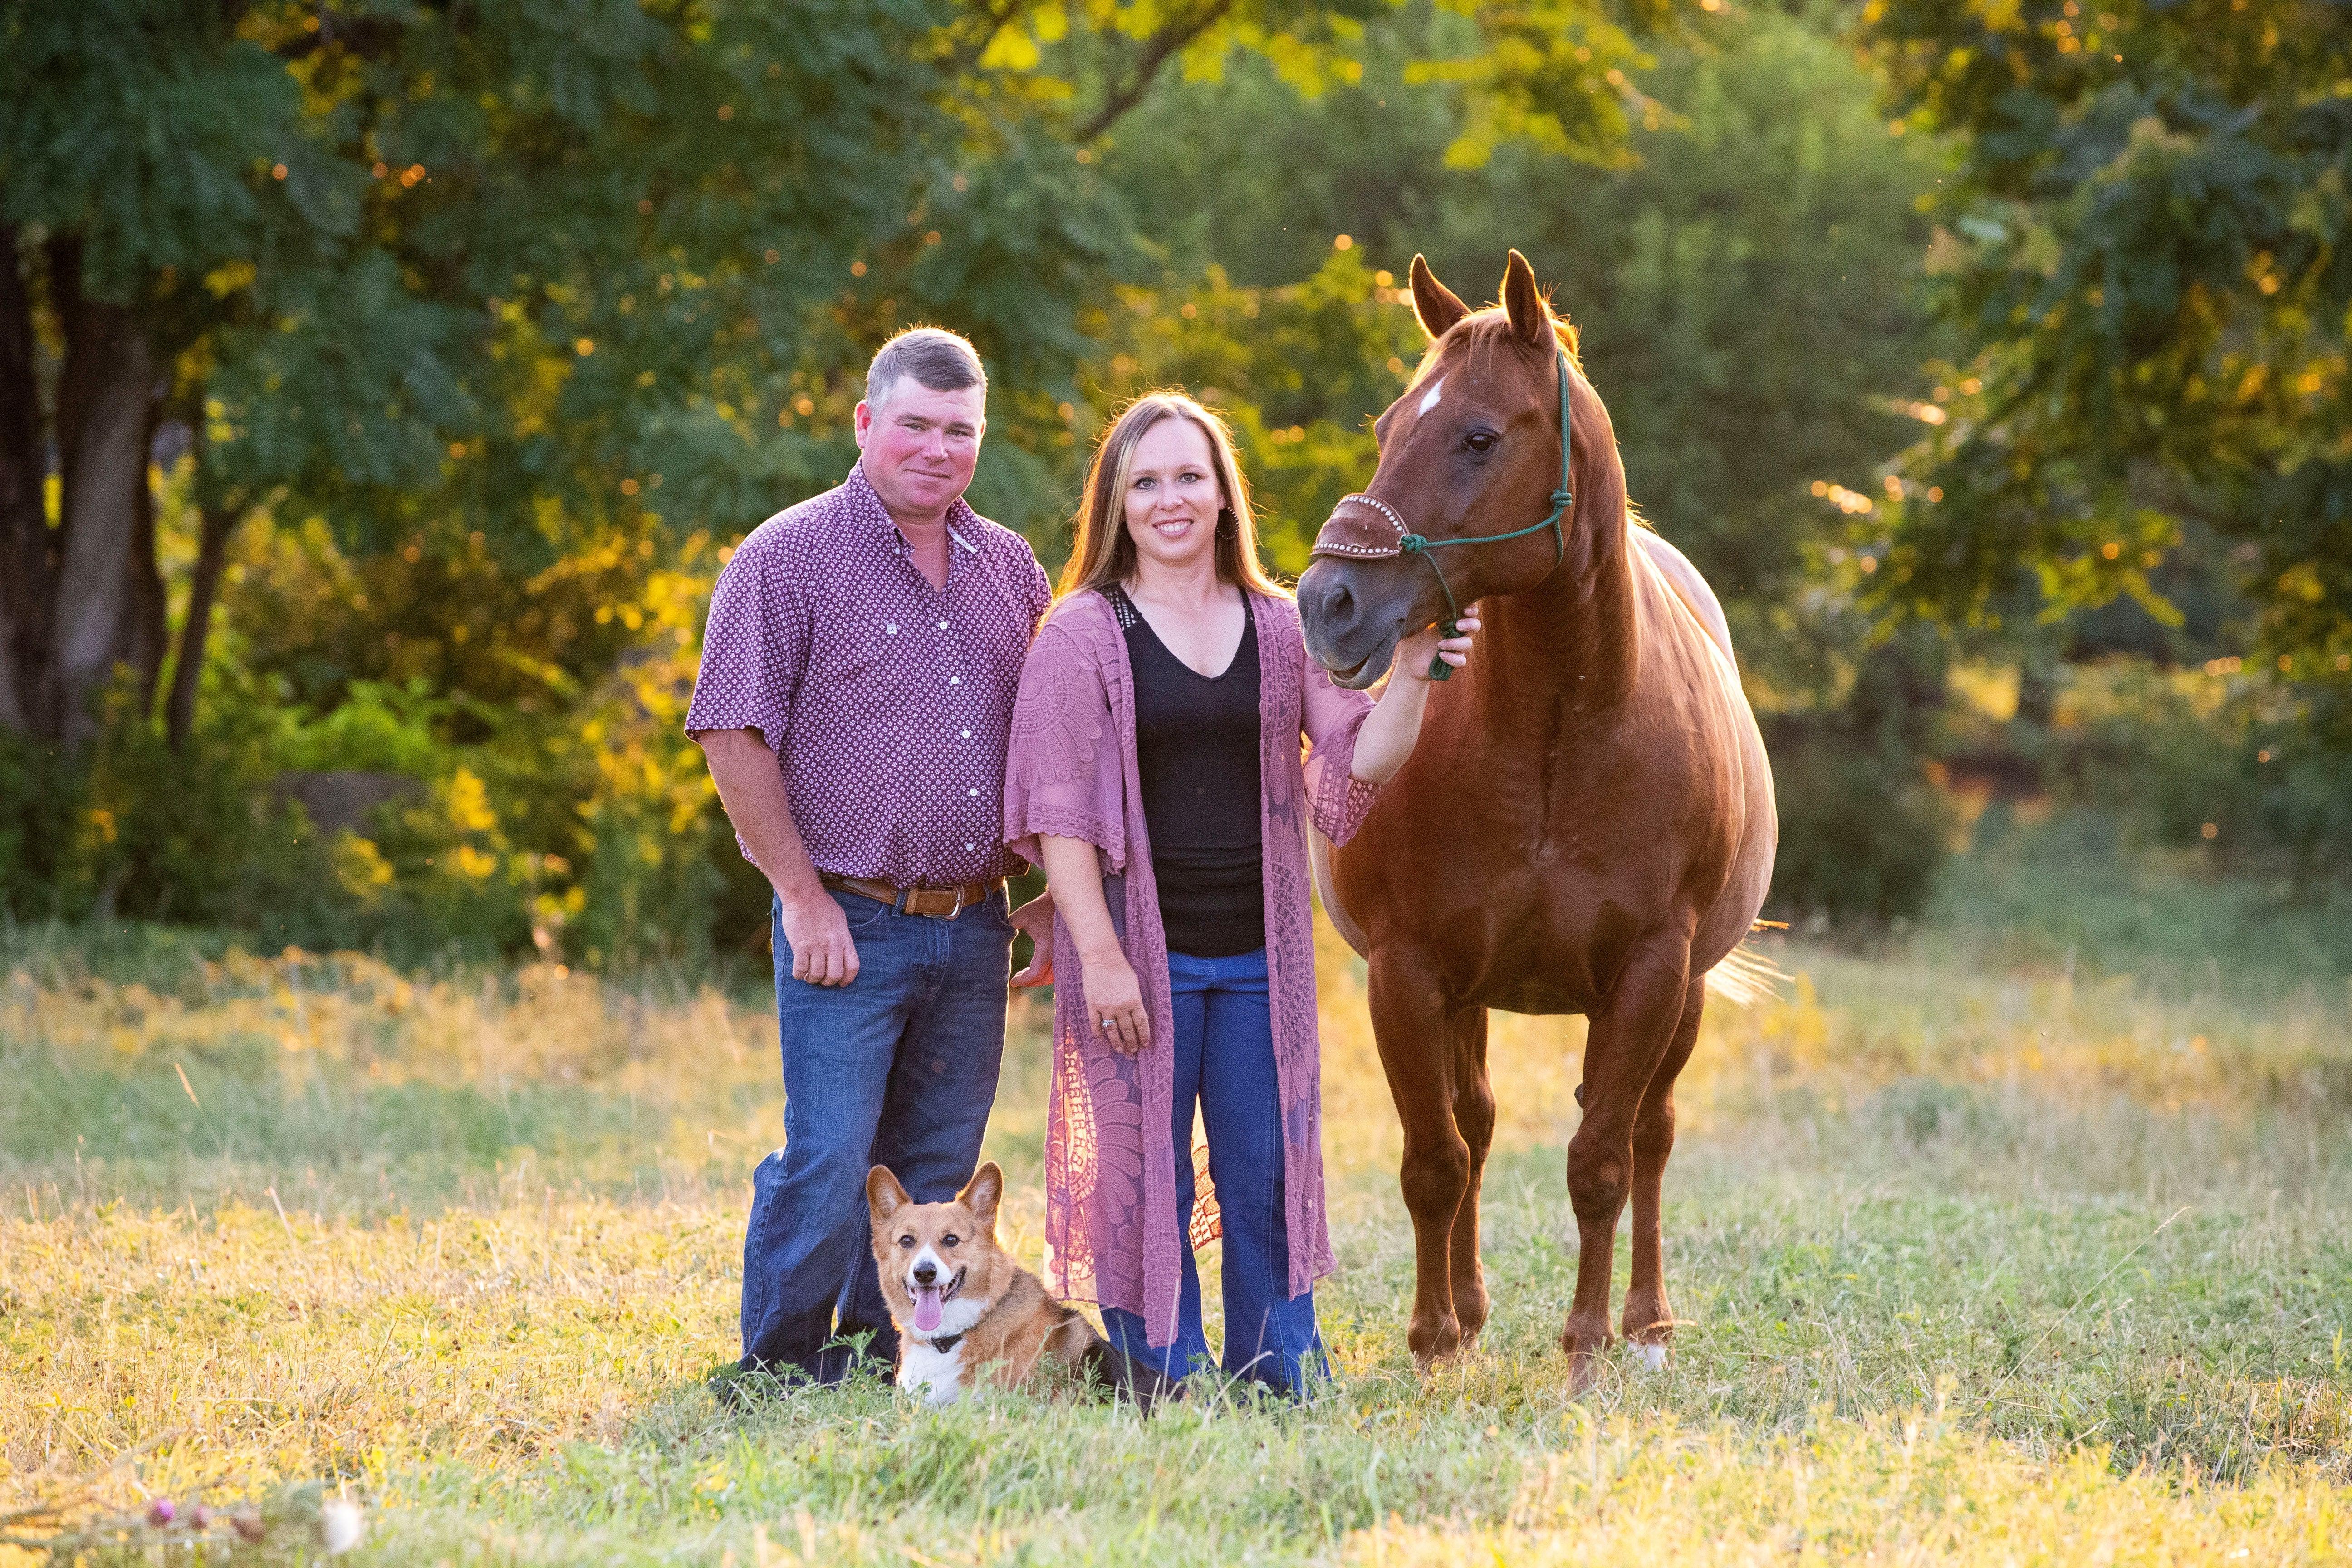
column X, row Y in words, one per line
column 2016, row 1240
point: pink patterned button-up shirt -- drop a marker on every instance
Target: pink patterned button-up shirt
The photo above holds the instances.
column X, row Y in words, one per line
column 887, row 701
column 1112, row 1234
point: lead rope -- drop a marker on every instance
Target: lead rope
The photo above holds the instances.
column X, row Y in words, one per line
column 1421, row 545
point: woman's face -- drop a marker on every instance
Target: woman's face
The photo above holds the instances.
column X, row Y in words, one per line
column 1172, row 495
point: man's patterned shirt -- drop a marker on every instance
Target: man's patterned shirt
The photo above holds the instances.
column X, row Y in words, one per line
column 887, row 701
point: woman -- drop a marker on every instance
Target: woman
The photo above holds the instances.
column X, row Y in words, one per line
column 1155, row 775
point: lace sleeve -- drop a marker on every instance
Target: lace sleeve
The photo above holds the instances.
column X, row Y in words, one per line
column 1333, row 717
column 1062, row 770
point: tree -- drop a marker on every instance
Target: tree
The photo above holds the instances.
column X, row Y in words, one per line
column 2148, row 253
column 508, row 314
column 501, row 269
column 1746, row 281
column 1747, row 292
column 127, row 137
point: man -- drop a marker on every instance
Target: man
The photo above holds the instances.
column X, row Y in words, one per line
column 858, row 672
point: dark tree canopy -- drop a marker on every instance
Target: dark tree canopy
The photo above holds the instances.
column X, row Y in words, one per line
column 2149, row 255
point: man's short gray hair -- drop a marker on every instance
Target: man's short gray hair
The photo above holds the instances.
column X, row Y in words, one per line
column 937, row 358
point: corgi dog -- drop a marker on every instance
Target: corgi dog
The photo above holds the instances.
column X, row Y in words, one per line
column 965, row 1312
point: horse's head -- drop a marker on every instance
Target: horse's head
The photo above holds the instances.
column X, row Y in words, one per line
column 1471, row 451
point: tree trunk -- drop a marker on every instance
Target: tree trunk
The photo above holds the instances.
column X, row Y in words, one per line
column 109, row 596
column 212, row 555
column 27, row 572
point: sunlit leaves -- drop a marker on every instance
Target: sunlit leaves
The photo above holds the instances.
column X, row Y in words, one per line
column 2153, row 258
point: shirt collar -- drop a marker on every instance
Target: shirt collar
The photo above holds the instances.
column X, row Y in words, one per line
column 860, row 493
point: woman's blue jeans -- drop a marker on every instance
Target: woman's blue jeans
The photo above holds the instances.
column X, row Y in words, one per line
column 1224, row 1059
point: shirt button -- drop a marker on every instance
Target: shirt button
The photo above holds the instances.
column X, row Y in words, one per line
column 972, row 792
column 890, row 629
column 943, row 626
column 971, row 846
column 966, row 734
column 955, row 681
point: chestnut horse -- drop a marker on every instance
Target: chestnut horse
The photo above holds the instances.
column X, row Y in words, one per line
column 1587, row 825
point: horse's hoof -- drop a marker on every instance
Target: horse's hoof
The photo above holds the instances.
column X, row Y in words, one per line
column 1649, row 1357
column 1440, row 1343
column 1584, row 1372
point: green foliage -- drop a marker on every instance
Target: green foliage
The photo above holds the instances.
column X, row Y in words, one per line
column 1745, row 289
column 2148, row 251
column 1862, row 835
column 1862, row 832
column 1747, row 300
column 486, row 413
column 2212, row 761
column 1301, row 371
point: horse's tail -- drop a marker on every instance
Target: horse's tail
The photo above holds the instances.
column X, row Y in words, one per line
column 1744, row 977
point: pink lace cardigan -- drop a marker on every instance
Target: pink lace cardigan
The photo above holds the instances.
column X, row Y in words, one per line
column 1112, row 1234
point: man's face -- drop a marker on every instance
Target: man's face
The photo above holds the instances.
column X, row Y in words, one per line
column 919, row 446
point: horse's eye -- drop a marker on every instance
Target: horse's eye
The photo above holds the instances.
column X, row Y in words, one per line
column 951, row 1241
column 906, row 1241
column 1479, row 440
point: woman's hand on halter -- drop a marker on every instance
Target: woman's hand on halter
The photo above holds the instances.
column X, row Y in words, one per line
column 1413, row 653
column 1391, row 728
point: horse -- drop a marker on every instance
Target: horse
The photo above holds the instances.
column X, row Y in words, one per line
column 1587, row 825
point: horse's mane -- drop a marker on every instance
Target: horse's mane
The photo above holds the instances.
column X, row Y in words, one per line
column 1490, row 328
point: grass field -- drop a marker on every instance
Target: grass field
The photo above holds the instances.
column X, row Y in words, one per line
column 2021, row 1238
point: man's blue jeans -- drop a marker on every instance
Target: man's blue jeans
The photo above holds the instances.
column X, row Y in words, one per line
column 897, row 1069
column 1224, row 1056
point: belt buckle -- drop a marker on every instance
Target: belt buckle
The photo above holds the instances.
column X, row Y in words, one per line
column 953, row 894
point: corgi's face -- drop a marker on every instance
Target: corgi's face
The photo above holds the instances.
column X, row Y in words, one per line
column 937, row 1260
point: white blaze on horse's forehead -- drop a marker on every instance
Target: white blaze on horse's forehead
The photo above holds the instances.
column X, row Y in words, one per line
column 1429, row 399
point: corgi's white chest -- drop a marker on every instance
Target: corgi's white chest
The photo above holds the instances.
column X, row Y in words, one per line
column 936, row 1374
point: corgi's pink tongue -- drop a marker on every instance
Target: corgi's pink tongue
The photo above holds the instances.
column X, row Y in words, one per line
column 927, row 1307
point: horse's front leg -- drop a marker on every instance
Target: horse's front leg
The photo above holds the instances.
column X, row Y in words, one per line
column 1409, row 1020
column 1474, row 1117
column 1629, row 1039
column 1649, row 1322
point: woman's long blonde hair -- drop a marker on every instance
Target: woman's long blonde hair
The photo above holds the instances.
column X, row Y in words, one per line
column 1102, row 554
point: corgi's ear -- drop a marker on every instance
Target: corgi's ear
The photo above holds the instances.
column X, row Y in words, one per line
column 884, row 1195
column 983, row 1192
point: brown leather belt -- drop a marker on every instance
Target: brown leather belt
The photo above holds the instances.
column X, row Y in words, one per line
column 938, row 903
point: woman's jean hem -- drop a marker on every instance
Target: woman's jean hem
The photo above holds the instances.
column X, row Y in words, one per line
column 1224, row 1044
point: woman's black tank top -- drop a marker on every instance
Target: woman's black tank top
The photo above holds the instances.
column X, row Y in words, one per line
column 1196, row 745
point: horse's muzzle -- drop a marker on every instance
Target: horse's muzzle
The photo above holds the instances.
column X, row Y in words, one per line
column 1342, row 634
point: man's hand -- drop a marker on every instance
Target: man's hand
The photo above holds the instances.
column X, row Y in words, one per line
column 823, row 954
column 751, row 787
column 1035, row 920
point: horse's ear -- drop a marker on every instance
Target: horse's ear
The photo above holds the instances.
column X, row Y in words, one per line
column 1524, row 302
column 1437, row 305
